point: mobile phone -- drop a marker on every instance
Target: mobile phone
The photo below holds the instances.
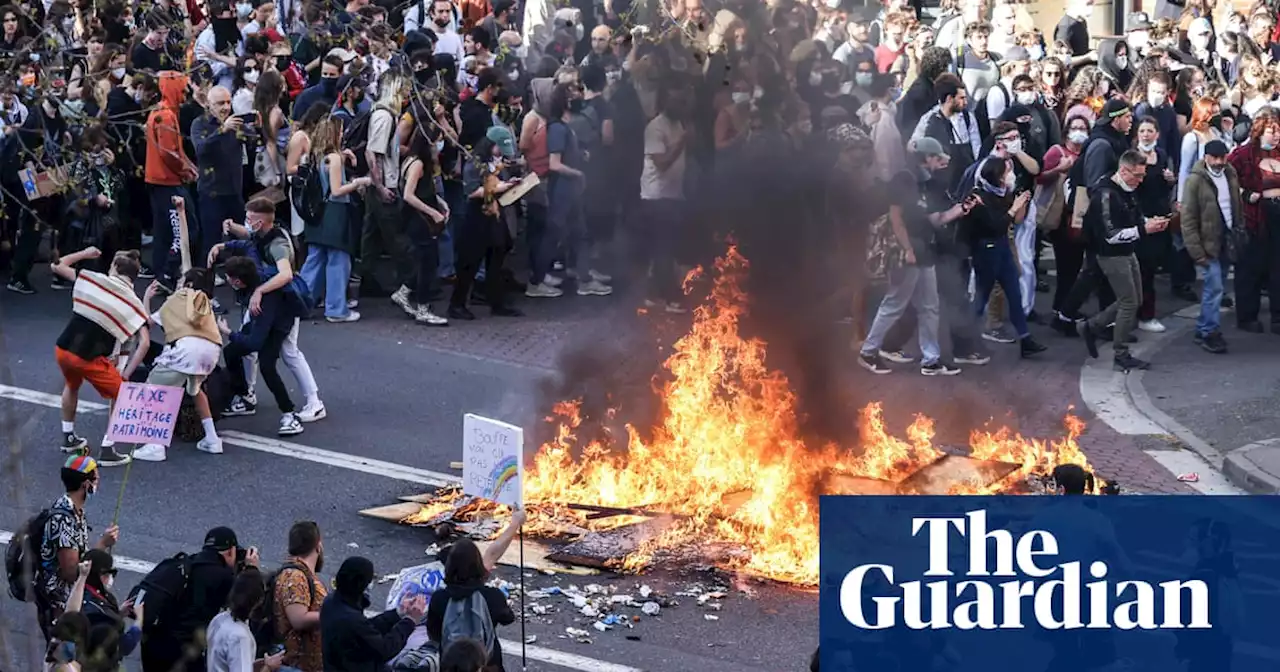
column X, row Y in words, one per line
column 277, row 649
column 249, row 118
column 142, row 595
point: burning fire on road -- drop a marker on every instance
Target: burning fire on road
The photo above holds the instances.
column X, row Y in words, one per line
column 724, row 474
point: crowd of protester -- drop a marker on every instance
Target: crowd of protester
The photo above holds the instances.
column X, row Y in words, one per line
column 218, row 610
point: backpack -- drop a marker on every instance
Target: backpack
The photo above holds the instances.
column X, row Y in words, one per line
column 166, row 589
column 22, row 556
column 425, row 658
column 297, row 286
column 356, row 138
column 468, row 618
column 265, row 634
column 884, row 254
column 306, row 194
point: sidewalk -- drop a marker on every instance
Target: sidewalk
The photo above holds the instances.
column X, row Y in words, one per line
column 1228, row 402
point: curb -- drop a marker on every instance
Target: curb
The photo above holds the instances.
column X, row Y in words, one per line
column 1180, row 324
column 1246, row 473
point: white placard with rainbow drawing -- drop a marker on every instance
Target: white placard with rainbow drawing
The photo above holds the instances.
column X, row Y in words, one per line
column 492, row 464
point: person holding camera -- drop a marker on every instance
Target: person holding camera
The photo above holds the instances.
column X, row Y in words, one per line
column 219, row 146
column 177, row 643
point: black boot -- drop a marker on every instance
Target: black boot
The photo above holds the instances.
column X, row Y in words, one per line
column 1030, row 346
column 1090, row 338
column 1128, row 362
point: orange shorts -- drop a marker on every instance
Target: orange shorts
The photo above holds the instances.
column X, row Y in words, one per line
column 100, row 373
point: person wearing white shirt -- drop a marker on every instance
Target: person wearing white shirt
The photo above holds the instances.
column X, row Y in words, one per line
column 222, row 31
column 448, row 41
column 231, row 646
column 418, row 16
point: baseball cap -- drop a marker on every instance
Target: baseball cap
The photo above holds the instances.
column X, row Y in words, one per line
column 1216, row 148
column 1138, row 21
column 502, row 137
column 1113, row 109
column 927, row 146
column 1016, row 54
column 221, row 539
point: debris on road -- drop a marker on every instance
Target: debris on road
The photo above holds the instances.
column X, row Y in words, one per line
column 711, row 617
column 650, row 608
column 1191, row 477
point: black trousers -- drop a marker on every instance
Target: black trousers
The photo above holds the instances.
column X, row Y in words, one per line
column 426, row 249
column 1091, row 280
column 268, row 358
column 1258, row 267
column 1068, row 255
column 481, row 238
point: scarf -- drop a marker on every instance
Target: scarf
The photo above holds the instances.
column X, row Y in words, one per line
column 108, row 302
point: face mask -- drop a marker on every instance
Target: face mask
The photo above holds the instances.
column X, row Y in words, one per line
column 834, row 4
column 815, row 79
column 1146, row 146
column 1200, row 42
column 99, row 159
column 895, row 93
column 1266, row 146
column 846, row 88
column 282, row 63
column 863, row 79
column 1078, row 137
column 1198, row 91
column 1025, row 97
column 741, row 97
column 330, row 85
column 1122, row 62
column 577, row 104
column 439, row 146
column 1216, row 121
column 108, row 581
column 1009, row 180
column 251, row 77
column 244, row 9
column 1215, row 171
column 68, row 24
column 1036, row 51
column 137, row 97
column 1013, row 146
column 118, row 73
column 422, row 76
column 521, row 51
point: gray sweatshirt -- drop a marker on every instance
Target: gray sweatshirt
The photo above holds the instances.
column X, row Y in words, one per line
column 231, row 645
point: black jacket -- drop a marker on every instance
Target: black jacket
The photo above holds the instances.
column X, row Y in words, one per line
column 499, row 611
column 207, row 592
column 352, row 643
column 1099, row 157
column 1113, row 223
column 915, row 103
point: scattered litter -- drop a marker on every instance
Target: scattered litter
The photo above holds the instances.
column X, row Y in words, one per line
column 388, row 577
column 621, row 599
column 455, row 465
column 590, row 611
column 574, row 632
column 635, row 619
column 553, row 590
column 599, row 625
column 352, row 544
column 539, row 609
column 578, row 601
column 634, row 638
column 530, row 639
column 714, row 606
column 549, row 572
column 433, row 550
column 645, row 591
column 1191, row 477
column 650, row 608
column 711, row 617
column 594, row 589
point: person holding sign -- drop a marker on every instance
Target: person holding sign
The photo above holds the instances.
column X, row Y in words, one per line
column 466, row 570
column 193, row 346
column 106, row 313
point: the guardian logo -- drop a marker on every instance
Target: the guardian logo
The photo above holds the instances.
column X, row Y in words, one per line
column 1063, row 602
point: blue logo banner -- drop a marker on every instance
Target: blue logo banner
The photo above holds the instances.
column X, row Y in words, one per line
column 1049, row 583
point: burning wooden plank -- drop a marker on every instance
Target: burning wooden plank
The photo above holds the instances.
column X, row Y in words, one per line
column 604, row 549
column 951, row 472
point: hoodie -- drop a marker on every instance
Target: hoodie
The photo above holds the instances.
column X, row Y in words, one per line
column 1120, row 77
column 167, row 162
column 499, row 611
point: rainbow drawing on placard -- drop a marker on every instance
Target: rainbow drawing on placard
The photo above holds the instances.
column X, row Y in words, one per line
column 503, row 472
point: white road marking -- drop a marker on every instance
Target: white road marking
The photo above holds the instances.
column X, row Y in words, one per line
column 541, row 654
column 335, row 459
column 46, row 399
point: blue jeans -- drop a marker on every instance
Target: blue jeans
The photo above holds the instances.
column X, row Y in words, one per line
column 992, row 263
column 336, row 265
column 912, row 284
column 1210, row 319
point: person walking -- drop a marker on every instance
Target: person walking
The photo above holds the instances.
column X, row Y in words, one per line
column 331, row 241
column 1113, row 225
column 1212, row 225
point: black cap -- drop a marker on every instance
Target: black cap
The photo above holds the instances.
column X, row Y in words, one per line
column 221, row 539
column 1113, row 109
column 1216, row 148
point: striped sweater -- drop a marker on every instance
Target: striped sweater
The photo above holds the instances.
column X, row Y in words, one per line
column 109, row 303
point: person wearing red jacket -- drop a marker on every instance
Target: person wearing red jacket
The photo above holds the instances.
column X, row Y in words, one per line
column 281, row 59
column 168, row 171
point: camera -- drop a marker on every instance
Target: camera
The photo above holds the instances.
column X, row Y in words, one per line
column 242, row 554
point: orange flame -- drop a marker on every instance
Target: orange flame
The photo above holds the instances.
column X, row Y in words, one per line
column 728, row 431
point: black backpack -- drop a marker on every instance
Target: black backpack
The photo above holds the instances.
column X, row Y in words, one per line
column 166, row 588
column 22, row 557
column 356, row 138
column 306, row 193
column 265, row 634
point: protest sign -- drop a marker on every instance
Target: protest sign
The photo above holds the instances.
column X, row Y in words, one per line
column 145, row 414
column 492, row 456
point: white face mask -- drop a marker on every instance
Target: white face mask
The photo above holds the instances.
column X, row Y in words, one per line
column 68, row 24
column 1012, row 147
column 251, row 77
column 846, row 88
column 439, row 146
column 1122, row 62
column 815, row 79
column 1156, row 100
column 1147, row 146
column 1078, row 137
column 741, row 97
column 108, row 581
column 1200, row 42
column 1009, row 180
column 1215, row 171
column 863, row 79
column 1036, row 51
column 118, row 73
column 1025, row 97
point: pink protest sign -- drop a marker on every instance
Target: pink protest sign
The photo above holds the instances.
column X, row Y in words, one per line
column 145, row 414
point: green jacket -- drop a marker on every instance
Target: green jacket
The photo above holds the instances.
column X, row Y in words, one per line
column 1202, row 224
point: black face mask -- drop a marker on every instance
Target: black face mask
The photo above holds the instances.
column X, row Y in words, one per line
column 330, row 85
column 422, row 76
column 577, row 104
column 282, row 63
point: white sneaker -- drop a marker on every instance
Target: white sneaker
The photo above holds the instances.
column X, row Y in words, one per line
column 312, row 412
column 351, row 316
column 219, row 281
column 425, row 316
column 352, row 304
column 401, row 298
column 594, row 288
column 551, row 280
column 290, row 425
column 152, row 452
column 210, row 445
column 1153, row 326
column 542, row 291
column 600, row 277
